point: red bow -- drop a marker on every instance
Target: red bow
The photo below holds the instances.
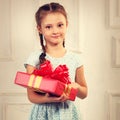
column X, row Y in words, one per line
column 60, row 73
column 45, row 69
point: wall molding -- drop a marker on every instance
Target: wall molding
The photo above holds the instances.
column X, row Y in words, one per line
column 13, row 94
column 6, row 46
column 15, row 104
column 113, row 105
column 113, row 13
column 115, row 51
column 16, row 110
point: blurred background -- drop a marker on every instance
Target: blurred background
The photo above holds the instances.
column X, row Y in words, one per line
column 94, row 32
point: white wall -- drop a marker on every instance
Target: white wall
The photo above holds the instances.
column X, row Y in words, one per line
column 102, row 74
column 99, row 32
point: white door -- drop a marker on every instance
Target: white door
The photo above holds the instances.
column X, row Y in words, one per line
column 94, row 28
column 16, row 39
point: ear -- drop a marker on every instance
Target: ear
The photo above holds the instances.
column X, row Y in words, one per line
column 66, row 23
column 39, row 29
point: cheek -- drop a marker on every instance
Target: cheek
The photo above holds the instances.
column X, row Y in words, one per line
column 45, row 33
column 64, row 32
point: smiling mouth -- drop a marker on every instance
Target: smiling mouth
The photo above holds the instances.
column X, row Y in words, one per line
column 55, row 36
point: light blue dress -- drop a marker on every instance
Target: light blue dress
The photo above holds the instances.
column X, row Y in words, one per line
column 56, row 111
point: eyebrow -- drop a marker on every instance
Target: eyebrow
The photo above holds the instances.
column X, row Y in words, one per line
column 48, row 25
column 57, row 23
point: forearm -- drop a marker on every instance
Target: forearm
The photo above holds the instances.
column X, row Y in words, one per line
column 80, row 83
column 39, row 99
column 82, row 92
column 35, row 98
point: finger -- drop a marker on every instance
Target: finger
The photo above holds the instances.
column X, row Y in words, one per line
column 47, row 94
column 64, row 97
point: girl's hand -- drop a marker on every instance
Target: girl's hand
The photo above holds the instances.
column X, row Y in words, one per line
column 62, row 98
column 74, row 85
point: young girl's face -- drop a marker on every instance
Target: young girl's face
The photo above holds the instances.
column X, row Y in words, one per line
column 53, row 27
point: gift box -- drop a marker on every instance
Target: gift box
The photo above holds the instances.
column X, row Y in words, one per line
column 45, row 84
column 39, row 83
column 71, row 92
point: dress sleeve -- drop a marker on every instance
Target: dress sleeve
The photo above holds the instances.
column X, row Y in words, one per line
column 33, row 59
column 79, row 60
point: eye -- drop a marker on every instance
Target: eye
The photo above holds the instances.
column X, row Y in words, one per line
column 48, row 27
column 60, row 25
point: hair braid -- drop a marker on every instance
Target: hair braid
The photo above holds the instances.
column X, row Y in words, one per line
column 43, row 54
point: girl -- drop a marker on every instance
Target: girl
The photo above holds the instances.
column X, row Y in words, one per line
column 52, row 24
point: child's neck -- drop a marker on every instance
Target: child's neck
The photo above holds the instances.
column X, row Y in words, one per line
column 56, row 51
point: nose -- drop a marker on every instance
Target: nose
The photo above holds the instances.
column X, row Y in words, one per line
column 55, row 30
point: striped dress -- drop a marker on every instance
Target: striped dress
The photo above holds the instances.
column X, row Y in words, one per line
column 56, row 111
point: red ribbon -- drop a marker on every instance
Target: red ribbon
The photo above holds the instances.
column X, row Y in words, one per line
column 45, row 69
column 60, row 73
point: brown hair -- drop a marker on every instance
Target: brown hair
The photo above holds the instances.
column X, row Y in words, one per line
column 40, row 14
